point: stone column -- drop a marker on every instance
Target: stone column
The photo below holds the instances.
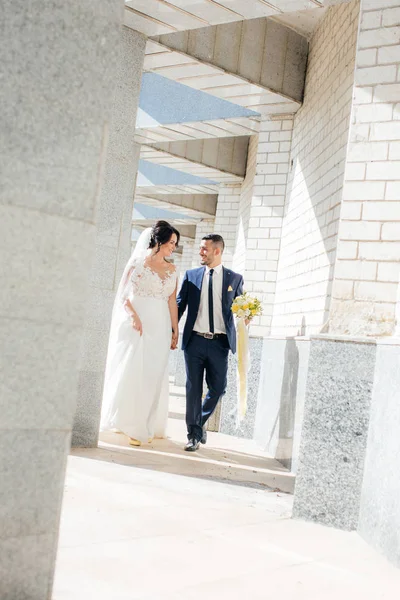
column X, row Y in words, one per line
column 178, row 261
column 243, row 216
column 367, row 273
column 259, row 216
column 266, row 214
column 345, row 378
column 113, row 236
column 226, row 223
column 226, row 218
column 203, row 227
column 57, row 76
column 187, row 258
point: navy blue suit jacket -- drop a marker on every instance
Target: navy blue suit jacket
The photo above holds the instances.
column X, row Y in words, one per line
column 189, row 296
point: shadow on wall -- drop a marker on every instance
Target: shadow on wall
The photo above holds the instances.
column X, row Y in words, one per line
column 284, row 424
column 281, row 394
column 316, row 180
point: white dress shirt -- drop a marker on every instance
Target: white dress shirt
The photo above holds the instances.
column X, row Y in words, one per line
column 202, row 324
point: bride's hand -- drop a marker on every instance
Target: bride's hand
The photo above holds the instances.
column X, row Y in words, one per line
column 174, row 341
column 137, row 324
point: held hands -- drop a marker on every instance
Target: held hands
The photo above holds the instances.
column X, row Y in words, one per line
column 174, row 341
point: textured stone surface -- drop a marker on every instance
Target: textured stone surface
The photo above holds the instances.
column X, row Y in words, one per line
column 334, row 434
column 38, row 375
column 380, row 508
column 30, row 576
column 113, row 235
column 103, row 271
column 29, row 487
column 87, row 417
column 53, row 108
column 229, row 401
column 41, row 263
column 281, row 396
column 56, row 72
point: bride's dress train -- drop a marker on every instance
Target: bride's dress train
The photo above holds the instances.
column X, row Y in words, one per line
column 135, row 399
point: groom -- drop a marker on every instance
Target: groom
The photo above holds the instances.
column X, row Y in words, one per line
column 209, row 333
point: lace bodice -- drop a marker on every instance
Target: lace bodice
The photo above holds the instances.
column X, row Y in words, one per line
column 149, row 284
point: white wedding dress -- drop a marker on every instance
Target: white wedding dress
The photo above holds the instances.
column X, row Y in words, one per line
column 135, row 399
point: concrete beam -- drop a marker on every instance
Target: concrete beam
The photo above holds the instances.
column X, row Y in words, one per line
column 259, row 63
column 304, row 22
column 220, row 160
column 176, row 189
column 187, row 232
column 159, row 179
column 201, row 206
column 195, row 130
column 156, row 17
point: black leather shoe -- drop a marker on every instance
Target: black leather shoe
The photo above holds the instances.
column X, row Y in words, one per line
column 192, row 445
column 204, row 438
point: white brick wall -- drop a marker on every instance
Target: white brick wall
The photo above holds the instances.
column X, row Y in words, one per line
column 366, row 283
column 315, row 185
column 260, row 214
column 186, row 259
column 203, row 227
column 226, row 218
column 243, row 217
column 177, row 262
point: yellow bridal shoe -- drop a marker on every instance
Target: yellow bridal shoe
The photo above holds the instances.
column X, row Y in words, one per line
column 134, row 442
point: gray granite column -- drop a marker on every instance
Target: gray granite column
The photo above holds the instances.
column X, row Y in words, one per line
column 113, row 236
column 335, row 431
column 56, row 76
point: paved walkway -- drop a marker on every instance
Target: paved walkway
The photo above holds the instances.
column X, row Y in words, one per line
column 156, row 523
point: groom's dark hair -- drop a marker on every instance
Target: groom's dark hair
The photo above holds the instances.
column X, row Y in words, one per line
column 216, row 239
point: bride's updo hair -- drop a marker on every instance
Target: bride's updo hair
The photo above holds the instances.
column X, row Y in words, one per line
column 161, row 233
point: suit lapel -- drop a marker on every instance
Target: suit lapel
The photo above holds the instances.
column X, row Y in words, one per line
column 200, row 277
column 198, row 283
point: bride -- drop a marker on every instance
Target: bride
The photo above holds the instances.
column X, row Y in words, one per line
column 144, row 327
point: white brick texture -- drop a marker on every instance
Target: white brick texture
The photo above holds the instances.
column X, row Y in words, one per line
column 370, row 216
column 203, row 227
column 261, row 207
column 315, row 184
column 243, row 218
column 186, row 258
column 226, row 218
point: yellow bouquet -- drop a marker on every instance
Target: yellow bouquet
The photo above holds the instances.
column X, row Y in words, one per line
column 245, row 308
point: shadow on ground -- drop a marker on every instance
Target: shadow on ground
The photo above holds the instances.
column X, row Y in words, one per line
column 233, row 466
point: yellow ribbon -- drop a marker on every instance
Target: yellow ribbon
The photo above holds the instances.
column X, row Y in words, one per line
column 243, row 365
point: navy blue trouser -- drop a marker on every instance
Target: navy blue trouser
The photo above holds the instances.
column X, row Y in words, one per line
column 211, row 357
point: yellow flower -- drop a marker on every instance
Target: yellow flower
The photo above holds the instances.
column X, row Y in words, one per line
column 235, row 308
